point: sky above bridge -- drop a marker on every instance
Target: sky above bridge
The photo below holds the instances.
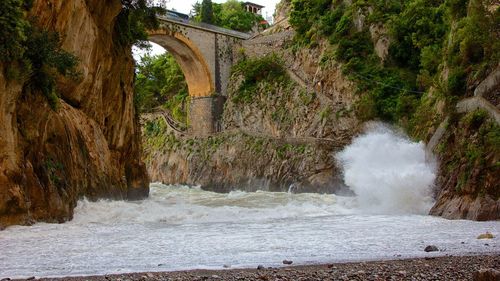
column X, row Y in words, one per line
column 185, row 6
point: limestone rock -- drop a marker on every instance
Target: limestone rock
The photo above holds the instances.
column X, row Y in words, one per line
column 91, row 145
column 467, row 189
column 486, row 275
column 454, row 206
column 486, row 235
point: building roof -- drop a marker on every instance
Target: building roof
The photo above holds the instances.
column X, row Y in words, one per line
column 177, row 14
column 253, row 4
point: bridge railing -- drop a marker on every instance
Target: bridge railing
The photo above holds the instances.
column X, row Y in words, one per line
column 205, row 26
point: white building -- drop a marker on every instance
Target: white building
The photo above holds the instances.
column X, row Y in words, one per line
column 253, row 8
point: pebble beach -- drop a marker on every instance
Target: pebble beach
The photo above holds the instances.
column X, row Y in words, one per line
column 472, row 267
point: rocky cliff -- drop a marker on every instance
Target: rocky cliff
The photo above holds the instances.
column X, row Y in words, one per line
column 468, row 182
column 467, row 144
column 89, row 146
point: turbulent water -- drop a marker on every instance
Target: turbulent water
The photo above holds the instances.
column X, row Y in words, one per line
column 182, row 227
column 388, row 173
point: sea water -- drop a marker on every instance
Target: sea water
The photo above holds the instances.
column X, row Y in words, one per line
column 181, row 227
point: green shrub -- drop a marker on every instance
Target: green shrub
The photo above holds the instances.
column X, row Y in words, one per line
column 306, row 98
column 457, row 8
column 358, row 45
column 420, row 24
column 344, row 24
column 457, row 82
column 36, row 52
column 46, row 59
column 154, row 128
column 365, row 108
column 13, row 29
column 476, row 44
column 178, row 105
column 475, row 119
column 231, row 14
column 133, row 21
column 430, row 58
column 492, row 136
column 269, row 68
column 328, row 22
column 305, row 14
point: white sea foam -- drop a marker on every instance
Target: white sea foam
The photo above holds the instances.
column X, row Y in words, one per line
column 388, row 173
column 182, row 204
column 186, row 228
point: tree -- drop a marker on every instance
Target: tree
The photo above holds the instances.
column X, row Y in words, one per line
column 195, row 13
column 231, row 15
column 135, row 17
column 234, row 16
column 207, row 14
column 161, row 83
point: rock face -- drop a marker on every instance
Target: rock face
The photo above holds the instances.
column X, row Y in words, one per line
column 90, row 146
column 486, row 275
column 236, row 160
column 468, row 179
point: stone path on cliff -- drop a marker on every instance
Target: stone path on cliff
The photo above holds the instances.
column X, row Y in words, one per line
column 176, row 127
column 489, row 85
column 486, row 97
column 298, row 140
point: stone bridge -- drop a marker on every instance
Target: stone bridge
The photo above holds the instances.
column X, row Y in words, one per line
column 205, row 54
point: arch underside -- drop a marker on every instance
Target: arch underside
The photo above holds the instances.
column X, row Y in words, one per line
column 190, row 60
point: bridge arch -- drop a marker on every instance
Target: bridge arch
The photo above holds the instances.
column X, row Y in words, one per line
column 205, row 55
column 190, row 59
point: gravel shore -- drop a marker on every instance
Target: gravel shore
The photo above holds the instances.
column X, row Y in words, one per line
column 438, row 268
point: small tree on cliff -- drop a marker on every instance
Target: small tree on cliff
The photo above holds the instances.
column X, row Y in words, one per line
column 135, row 18
column 207, row 13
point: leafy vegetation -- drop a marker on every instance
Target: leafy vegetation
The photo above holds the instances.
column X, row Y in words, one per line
column 160, row 83
column 475, row 146
column 13, row 29
column 46, row 59
column 34, row 51
column 426, row 37
column 207, row 13
column 135, row 18
column 54, row 169
column 230, row 14
column 254, row 71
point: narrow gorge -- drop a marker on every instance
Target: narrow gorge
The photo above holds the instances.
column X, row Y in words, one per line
column 297, row 95
column 185, row 140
